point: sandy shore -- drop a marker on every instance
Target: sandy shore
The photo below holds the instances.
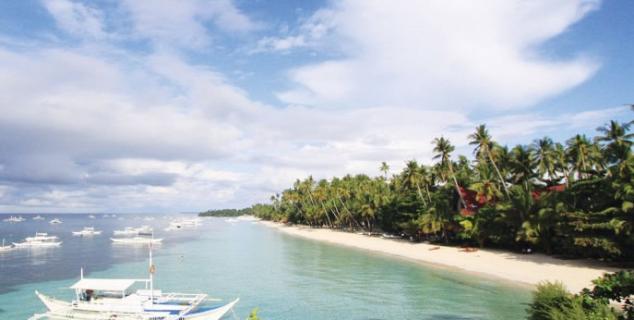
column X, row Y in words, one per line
column 527, row 269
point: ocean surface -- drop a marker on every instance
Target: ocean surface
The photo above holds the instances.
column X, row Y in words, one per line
column 284, row 277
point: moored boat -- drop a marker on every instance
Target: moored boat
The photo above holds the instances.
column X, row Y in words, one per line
column 137, row 299
column 41, row 239
column 13, row 219
column 38, row 217
column 4, row 248
column 137, row 240
column 87, row 231
column 55, row 221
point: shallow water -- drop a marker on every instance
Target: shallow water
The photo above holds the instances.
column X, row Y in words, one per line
column 285, row 277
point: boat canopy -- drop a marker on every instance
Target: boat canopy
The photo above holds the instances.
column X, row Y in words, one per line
column 104, row 284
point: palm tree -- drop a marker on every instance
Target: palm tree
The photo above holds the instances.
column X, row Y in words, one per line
column 522, row 165
column 544, row 150
column 443, row 150
column 617, row 141
column 412, row 178
column 385, row 169
column 579, row 152
column 484, row 151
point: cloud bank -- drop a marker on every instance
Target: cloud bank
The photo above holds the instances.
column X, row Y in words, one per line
column 93, row 124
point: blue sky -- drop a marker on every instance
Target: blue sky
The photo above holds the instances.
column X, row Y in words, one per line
column 140, row 106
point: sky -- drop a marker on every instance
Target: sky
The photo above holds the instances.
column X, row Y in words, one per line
column 179, row 106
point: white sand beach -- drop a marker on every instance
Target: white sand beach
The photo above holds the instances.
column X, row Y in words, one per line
column 527, row 269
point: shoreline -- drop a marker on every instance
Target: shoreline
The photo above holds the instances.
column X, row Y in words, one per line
column 522, row 269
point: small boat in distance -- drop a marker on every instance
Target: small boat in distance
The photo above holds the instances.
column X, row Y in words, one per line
column 137, row 240
column 145, row 231
column 13, row 219
column 4, row 248
column 183, row 223
column 41, row 239
column 87, row 231
column 129, row 231
column 55, row 221
column 92, row 216
column 38, row 217
column 128, row 299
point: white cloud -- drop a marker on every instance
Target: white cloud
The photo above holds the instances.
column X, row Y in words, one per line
column 438, row 54
column 311, row 33
column 76, row 18
column 184, row 23
column 102, row 128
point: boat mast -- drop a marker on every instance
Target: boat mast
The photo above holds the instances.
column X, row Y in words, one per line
column 151, row 274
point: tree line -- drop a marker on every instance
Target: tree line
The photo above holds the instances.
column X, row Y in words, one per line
column 226, row 212
column 574, row 198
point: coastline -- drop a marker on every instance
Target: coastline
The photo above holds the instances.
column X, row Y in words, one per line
column 523, row 269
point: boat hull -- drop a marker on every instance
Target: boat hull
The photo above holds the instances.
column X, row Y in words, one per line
column 37, row 245
column 68, row 310
column 213, row 314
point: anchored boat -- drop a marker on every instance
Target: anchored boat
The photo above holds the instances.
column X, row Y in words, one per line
column 87, row 231
column 41, row 239
column 14, row 219
column 137, row 240
column 4, row 247
column 98, row 299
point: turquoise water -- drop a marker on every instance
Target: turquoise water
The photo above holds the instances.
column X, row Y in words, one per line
column 285, row 277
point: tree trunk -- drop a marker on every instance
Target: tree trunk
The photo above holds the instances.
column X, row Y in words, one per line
column 506, row 190
column 455, row 181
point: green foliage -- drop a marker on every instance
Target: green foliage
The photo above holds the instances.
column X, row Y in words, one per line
column 576, row 309
column 617, row 287
column 546, row 298
column 551, row 301
column 226, row 213
column 574, row 199
column 254, row 315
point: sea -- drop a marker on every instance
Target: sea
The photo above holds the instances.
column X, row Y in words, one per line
column 284, row 277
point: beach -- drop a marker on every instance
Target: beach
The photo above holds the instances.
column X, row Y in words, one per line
column 527, row 269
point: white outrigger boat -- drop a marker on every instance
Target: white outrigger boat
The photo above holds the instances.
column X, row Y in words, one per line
column 87, row 231
column 41, row 239
column 55, row 221
column 106, row 299
column 13, row 219
column 137, row 240
column 4, row 248
column 130, row 231
column 38, row 217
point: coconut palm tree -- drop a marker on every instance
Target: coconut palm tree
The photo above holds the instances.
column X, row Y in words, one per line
column 617, row 141
column 579, row 152
column 544, row 150
column 443, row 150
column 484, row 151
column 385, row 169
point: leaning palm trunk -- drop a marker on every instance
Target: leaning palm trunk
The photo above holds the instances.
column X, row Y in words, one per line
column 455, row 181
column 420, row 194
column 349, row 213
column 497, row 171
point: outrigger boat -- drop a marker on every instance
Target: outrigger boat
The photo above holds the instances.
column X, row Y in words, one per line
column 105, row 299
column 38, row 217
column 13, row 219
column 4, row 248
column 55, row 221
column 87, row 231
column 137, row 240
column 41, row 239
